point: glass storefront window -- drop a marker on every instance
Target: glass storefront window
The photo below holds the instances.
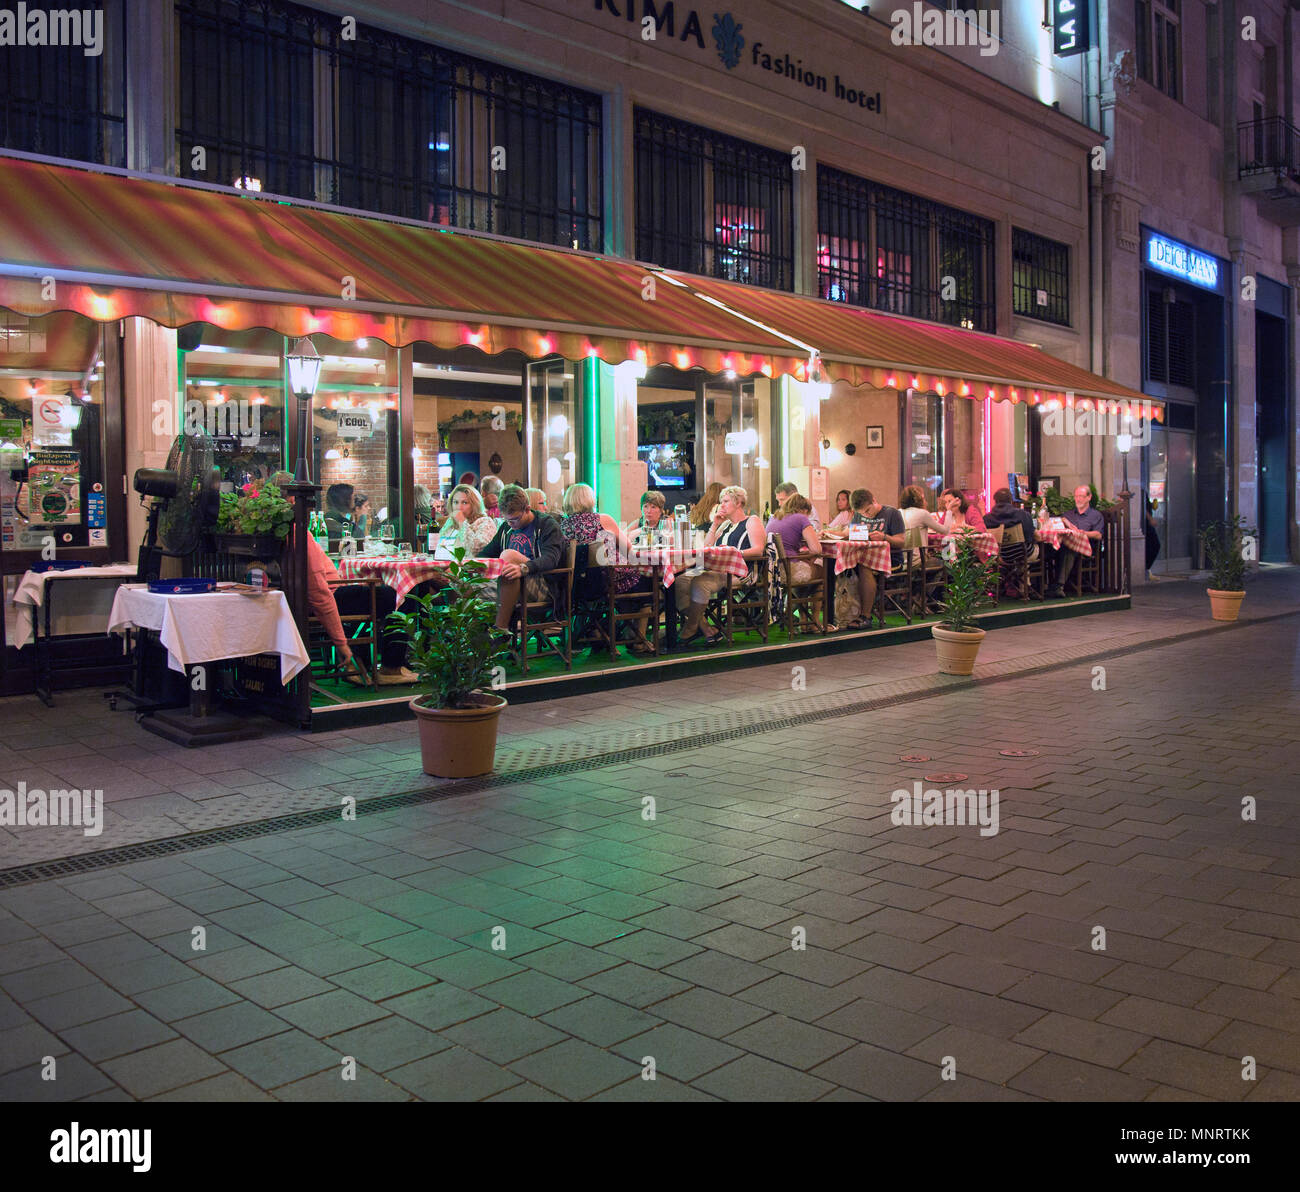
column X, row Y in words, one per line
column 925, row 443
column 968, row 448
column 52, row 474
column 738, row 437
column 552, row 433
column 357, row 431
column 233, row 386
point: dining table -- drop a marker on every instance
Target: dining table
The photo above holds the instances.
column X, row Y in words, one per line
column 986, row 546
column 404, row 574
column 1057, row 532
column 848, row 554
column 667, row 563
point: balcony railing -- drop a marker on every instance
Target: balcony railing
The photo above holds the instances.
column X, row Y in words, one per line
column 1271, row 145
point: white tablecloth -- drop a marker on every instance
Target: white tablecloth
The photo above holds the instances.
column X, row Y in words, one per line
column 213, row 625
column 81, row 607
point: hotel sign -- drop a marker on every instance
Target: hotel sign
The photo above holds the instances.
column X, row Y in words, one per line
column 1071, row 28
column 1182, row 261
column 666, row 20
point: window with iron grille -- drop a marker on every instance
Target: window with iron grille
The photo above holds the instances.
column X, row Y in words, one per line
column 893, row 251
column 711, row 204
column 382, row 123
column 1040, row 277
column 63, row 102
column 1171, row 339
column 1158, row 44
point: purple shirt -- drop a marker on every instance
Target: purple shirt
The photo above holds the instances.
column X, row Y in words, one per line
column 1089, row 519
column 790, row 530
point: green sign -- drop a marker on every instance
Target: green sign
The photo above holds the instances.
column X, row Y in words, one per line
column 11, row 429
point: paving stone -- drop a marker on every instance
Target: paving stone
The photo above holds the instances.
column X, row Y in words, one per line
column 600, row 1020
column 788, row 1041
column 985, row 1057
column 77, row 1007
column 117, row 1035
column 1211, row 1075
column 1059, row 1078
column 634, row 985
column 75, row 1077
column 753, row 1078
column 707, row 1012
column 280, row 986
column 575, row 1069
column 383, row 979
column 282, row 1059
column 662, row 1088
column 364, row 1085
column 331, row 1013
column 388, row 1043
column 453, row 1075
column 503, row 1036
column 439, row 1006
column 719, row 972
column 533, row 994
column 1082, row 1040
column 162, row 1067
column 185, row 998
column 879, row 1024
column 1164, row 1021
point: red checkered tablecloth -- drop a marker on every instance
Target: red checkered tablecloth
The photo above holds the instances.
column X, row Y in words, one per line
column 404, row 574
column 726, row 559
column 849, row 554
column 1058, row 531
column 985, row 544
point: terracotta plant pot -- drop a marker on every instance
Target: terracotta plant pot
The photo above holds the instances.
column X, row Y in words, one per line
column 459, row 742
column 957, row 650
column 1224, row 606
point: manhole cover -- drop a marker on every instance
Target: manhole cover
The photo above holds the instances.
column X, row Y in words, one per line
column 946, row 777
column 915, row 757
column 1018, row 753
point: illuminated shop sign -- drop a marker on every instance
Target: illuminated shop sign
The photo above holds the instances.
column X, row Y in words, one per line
column 1070, row 28
column 1181, row 260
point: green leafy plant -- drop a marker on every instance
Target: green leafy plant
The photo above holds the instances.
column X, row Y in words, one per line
column 968, row 586
column 254, row 510
column 454, row 642
column 1059, row 503
column 1225, row 549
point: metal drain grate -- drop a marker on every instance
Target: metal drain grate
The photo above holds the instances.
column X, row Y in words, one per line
column 193, row 841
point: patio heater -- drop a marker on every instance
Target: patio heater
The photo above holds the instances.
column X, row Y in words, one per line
column 304, row 373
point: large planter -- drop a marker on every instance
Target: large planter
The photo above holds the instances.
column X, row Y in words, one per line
column 459, row 742
column 1224, row 606
column 256, row 546
column 957, row 650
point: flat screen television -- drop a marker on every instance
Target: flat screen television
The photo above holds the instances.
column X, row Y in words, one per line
column 668, row 464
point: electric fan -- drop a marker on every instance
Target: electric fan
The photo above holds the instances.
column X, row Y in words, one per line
column 184, row 500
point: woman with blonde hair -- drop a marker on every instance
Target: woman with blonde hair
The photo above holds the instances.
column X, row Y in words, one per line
column 537, row 500
column 467, row 524
column 732, row 526
column 583, row 525
column 706, row 508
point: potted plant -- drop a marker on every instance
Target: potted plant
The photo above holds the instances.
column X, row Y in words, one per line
column 1224, row 544
column 253, row 521
column 956, row 636
column 454, row 648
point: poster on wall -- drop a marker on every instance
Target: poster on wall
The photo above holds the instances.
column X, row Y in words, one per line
column 818, row 484
column 922, row 445
column 51, row 498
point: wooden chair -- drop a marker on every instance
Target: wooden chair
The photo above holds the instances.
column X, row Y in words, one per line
column 365, row 632
column 996, row 533
column 1014, row 560
column 932, row 575
column 745, row 601
column 549, row 621
column 808, row 597
column 1089, row 569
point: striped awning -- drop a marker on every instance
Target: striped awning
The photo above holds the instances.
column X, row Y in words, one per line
column 108, row 245
column 866, row 347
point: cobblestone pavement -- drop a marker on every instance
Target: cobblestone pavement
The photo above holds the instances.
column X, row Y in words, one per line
column 1129, row 933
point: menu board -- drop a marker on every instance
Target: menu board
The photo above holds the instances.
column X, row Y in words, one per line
column 53, row 491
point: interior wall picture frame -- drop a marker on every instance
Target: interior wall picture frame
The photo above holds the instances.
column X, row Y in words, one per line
column 1046, row 482
column 875, row 437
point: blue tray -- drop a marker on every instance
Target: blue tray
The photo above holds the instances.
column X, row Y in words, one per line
column 182, row 587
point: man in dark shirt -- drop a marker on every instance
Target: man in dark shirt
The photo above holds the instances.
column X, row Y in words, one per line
column 1085, row 518
column 886, row 525
column 1006, row 514
column 529, row 543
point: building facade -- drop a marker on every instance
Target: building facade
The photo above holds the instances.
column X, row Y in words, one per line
column 946, row 172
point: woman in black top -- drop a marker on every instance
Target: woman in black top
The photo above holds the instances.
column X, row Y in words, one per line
column 732, row 526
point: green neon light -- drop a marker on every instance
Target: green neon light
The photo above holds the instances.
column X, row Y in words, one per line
column 591, row 385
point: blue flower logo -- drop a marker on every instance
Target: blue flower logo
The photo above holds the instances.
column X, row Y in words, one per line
column 726, row 36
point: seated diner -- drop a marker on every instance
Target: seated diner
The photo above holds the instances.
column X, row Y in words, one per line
column 528, row 544
column 732, row 525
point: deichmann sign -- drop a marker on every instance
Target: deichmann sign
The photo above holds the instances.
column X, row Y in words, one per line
column 1182, row 261
column 729, row 41
column 1071, row 30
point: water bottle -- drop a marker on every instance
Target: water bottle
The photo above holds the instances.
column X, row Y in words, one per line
column 681, row 528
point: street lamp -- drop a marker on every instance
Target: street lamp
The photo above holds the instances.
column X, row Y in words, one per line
column 304, row 372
